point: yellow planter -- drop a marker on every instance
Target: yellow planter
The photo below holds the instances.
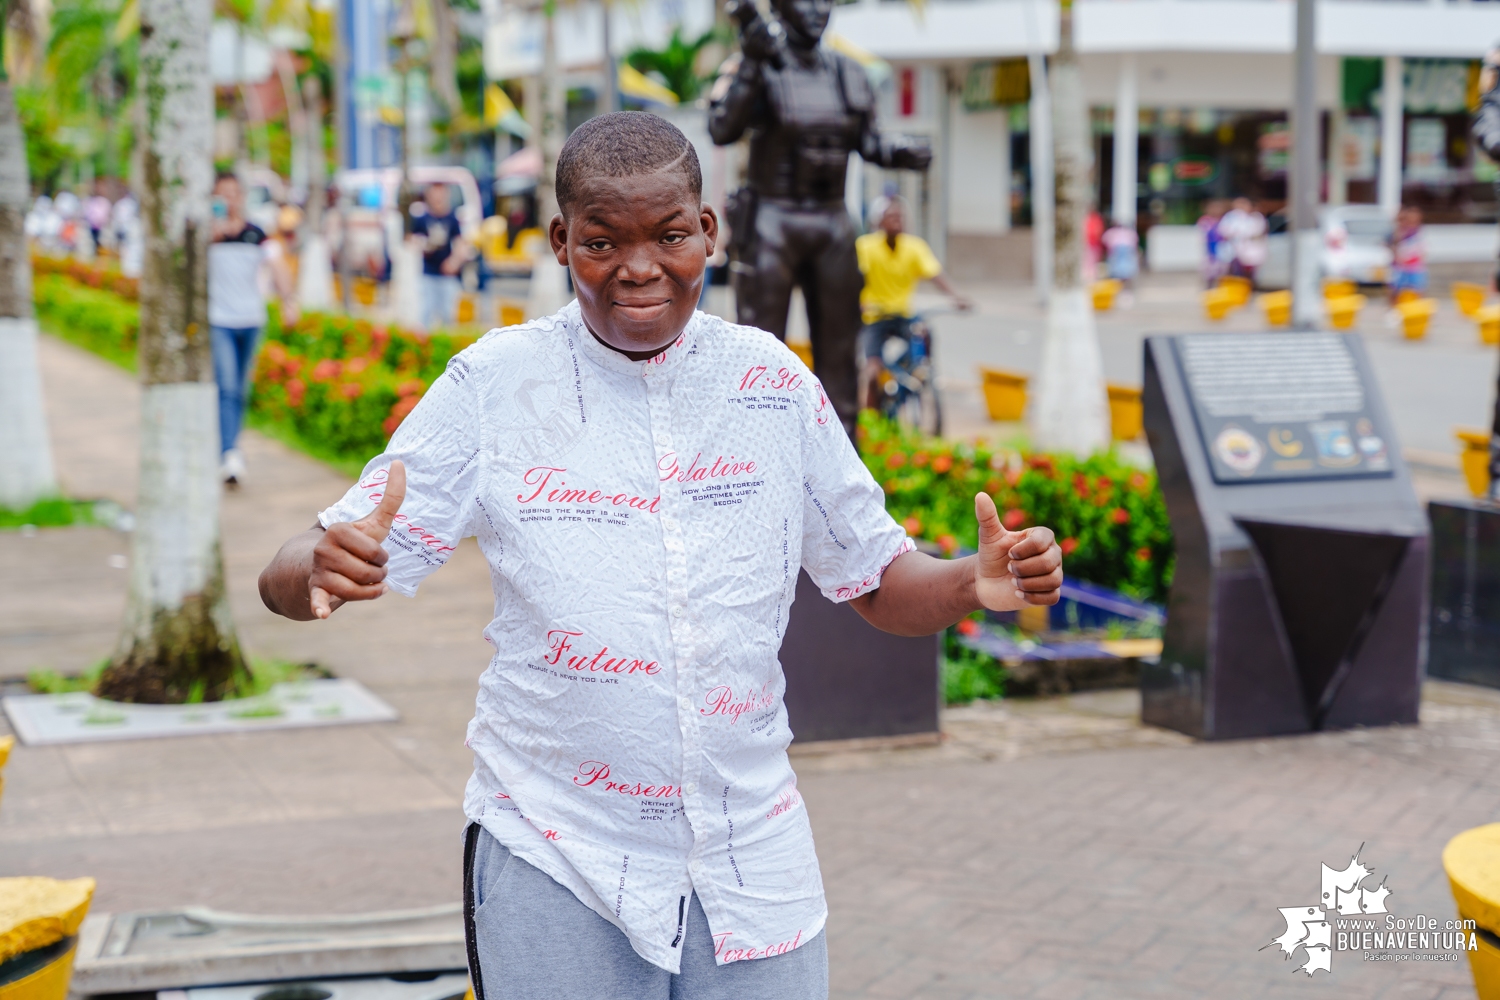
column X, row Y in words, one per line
column 1416, row 313
column 1472, row 861
column 49, row 981
column 1218, row 301
column 1278, row 307
column 1344, row 310
column 803, row 350
column 1104, row 294
column 1004, row 393
column 1474, row 456
column 1238, row 288
column 1126, row 415
column 1488, row 318
column 6, row 742
column 512, row 313
column 1339, row 288
column 1468, row 296
column 364, row 291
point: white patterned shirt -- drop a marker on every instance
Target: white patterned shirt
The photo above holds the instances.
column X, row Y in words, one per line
column 644, row 523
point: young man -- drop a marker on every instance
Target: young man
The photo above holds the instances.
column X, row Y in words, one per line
column 645, row 481
column 442, row 256
column 237, row 310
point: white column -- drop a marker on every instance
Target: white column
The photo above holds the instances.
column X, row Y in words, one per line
column 1127, row 142
column 1392, row 103
column 1040, row 117
column 1338, row 175
column 1004, row 169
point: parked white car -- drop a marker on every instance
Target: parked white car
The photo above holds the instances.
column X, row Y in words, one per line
column 1355, row 245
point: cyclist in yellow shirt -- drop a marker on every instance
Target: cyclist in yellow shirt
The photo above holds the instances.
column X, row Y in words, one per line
column 893, row 262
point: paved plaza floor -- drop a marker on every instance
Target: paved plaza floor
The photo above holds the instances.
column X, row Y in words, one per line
column 1051, row 848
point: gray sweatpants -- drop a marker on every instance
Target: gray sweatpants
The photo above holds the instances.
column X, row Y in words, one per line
column 531, row 939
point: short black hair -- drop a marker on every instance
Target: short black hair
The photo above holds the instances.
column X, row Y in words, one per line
column 624, row 144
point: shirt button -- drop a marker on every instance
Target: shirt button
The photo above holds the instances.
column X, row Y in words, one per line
column 676, row 612
column 671, row 523
column 690, row 788
column 686, row 703
column 696, row 866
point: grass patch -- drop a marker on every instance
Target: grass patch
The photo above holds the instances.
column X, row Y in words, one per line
column 263, row 675
column 53, row 512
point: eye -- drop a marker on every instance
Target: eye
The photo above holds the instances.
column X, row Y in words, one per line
column 673, row 239
column 598, row 246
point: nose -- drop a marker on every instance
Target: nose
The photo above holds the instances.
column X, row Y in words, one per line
column 640, row 266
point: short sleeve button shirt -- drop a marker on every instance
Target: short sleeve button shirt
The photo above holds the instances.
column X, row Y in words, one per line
column 644, row 523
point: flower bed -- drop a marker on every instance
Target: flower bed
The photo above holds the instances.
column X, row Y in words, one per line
column 1109, row 516
column 94, row 275
column 96, row 320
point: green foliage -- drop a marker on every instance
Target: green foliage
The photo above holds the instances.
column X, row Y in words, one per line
column 53, row 512
column 1108, row 516
column 46, row 151
column 94, row 319
column 969, row 674
column 256, row 683
column 676, row 64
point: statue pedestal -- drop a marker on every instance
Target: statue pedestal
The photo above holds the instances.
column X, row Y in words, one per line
column 1464, row 628
column 846, row 679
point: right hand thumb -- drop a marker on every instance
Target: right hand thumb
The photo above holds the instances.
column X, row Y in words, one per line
column 377, row 523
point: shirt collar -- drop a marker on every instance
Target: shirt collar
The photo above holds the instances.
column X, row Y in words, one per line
column 612, row 360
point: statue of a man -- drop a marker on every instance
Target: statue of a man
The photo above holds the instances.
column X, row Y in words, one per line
column 806, row 109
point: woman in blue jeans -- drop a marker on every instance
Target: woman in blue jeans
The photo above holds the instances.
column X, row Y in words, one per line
column 237, row 310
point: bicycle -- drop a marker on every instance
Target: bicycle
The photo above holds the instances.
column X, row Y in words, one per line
column 897, row 377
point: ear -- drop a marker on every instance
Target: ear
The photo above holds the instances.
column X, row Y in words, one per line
column 557, row 236
column 710, row 221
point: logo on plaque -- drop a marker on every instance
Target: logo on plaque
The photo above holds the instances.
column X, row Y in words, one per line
column 1238, row 449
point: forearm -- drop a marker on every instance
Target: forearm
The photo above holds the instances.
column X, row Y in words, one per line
column 946, row 286
column 920, row 595
column 284, row 583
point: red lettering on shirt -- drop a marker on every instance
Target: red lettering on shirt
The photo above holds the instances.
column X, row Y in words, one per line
column 783, row 379
column 788, row 800
column 698, row 471
column 721, row 700
column 559, row 642
column 722, row 949
column 592, row 772
column 538, row 478
column 846, row 593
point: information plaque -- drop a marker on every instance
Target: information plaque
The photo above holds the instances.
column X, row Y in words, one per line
column 1283, row 406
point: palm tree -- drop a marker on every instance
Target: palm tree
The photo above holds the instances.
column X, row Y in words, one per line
column 178, row 641
column 26, row 473
column 549, row 289
column 1071, row 411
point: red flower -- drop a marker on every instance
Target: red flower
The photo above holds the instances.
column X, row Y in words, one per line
column 411, row 387
column 895, row 460
column 275, row 353
column 325, row 371
column 912, row 525
column 356, row 365
column 1120, row 516
column 889, row 486
column 947, row 543
column 942, row 463
column 403, row 406
column 351, row 390
column 1138, row 481
column 1013, row 476
column 295, row 390
column 1068, row 545
column 992, row 486
column 1143, row 554
column 919, row 459
column 967, row 627
column 1013, row 519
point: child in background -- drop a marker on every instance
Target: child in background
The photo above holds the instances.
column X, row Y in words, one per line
column 1408, row 254
column 1121, row 247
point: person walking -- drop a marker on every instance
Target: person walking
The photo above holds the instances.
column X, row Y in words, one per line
column 238, row 267
column 1245, row 230
column 1408, row 254
column 442, row 255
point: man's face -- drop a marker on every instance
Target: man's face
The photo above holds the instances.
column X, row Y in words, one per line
column 804, row 19
column 637, row 247
column 1242, row 204
column 893, row 222
column 228, row 189
column 437, row 199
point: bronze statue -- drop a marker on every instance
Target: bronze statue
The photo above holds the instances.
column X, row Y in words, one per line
column 806, row 108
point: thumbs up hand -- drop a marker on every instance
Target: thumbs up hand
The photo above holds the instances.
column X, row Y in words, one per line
column 349, row 560
column 1014, row 568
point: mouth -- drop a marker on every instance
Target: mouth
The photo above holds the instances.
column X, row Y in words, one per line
column 643, row 310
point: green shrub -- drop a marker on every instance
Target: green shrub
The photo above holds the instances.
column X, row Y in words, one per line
column 96, row 320
column 1109, row 517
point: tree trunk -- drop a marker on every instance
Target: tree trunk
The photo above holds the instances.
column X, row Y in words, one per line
column 178, row 639
column 26, row 473
column 549, row 289
column 1071, row 412
column 444, row 69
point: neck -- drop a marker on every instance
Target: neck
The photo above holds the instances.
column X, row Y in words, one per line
column 645, row 355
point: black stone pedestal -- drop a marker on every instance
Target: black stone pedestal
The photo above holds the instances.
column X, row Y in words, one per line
column 1464, row 630
column 846, row 679
column 1298, row 599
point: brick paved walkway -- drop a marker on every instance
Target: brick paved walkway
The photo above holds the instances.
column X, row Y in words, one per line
column 1048, row 849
